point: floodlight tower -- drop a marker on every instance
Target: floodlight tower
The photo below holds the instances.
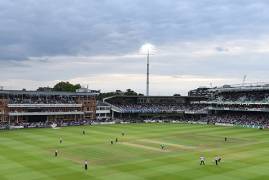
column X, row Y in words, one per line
column 147, row 93
column 147, row 49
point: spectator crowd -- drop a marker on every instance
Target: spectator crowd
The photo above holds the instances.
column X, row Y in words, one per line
column 238, row 119
column 242, row 97
column 47, row 124
column 159, row 108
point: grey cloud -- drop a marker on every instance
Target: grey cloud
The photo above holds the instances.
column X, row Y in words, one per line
column 64, row 27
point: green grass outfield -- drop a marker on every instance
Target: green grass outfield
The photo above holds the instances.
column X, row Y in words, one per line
column 29, row 153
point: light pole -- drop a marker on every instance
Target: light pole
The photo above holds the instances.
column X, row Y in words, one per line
column 147, row 93
column 147, row 49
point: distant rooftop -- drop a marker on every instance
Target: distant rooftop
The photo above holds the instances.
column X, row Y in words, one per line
column 49, row 93
column 260, row 86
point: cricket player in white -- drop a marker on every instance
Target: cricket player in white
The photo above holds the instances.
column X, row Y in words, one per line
column 86, row 165
column 202, row 160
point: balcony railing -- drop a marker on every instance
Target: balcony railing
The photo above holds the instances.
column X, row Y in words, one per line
column 43, row 105
column 45, row 113
column 239, row 109
column 236, row 102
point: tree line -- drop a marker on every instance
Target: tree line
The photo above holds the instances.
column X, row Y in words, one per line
column 69, row 87
column 61, row 86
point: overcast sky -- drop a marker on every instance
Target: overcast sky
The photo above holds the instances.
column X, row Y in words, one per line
column 97, row 42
